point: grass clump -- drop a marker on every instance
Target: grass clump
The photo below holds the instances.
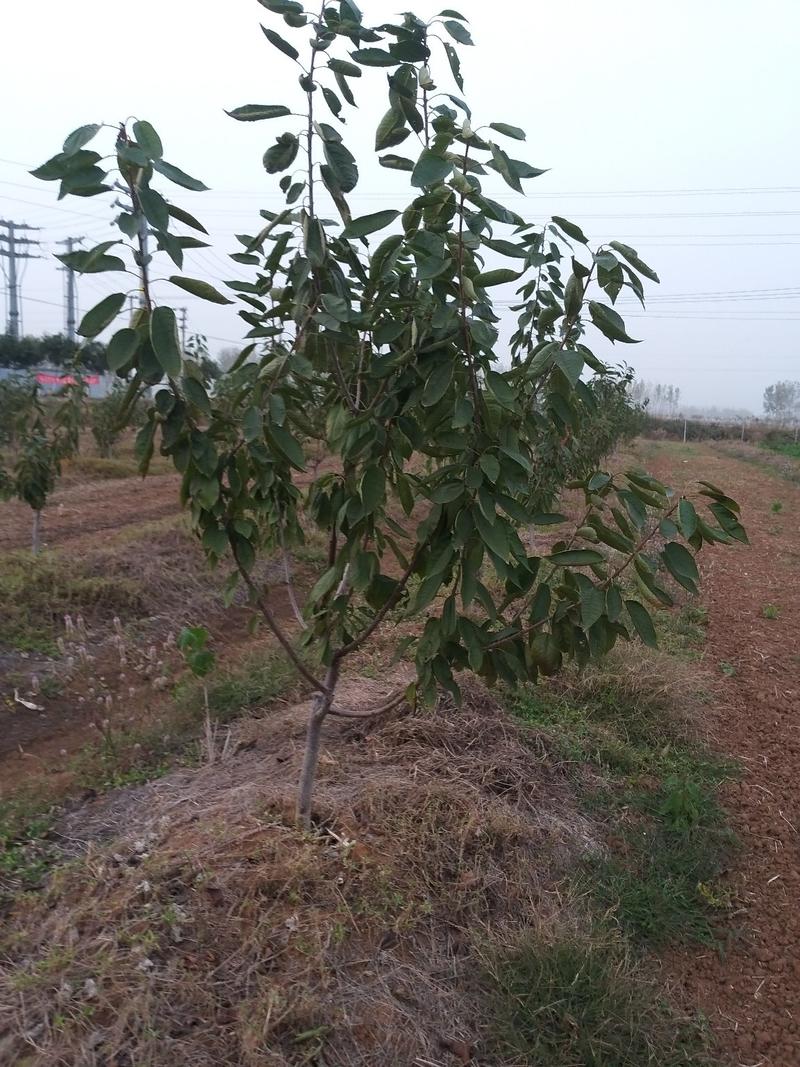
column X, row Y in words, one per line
column 581, row 1002
column 25, row 855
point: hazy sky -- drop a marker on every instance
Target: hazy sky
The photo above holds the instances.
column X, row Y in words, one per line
column 672, row 126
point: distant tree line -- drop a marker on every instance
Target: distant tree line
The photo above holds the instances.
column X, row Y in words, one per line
column 55, row 350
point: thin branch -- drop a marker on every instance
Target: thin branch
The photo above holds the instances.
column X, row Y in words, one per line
column 289, row 583
column 272, row 623
column 390, row 703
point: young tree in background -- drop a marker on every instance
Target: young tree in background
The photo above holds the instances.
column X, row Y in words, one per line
column 782, row 402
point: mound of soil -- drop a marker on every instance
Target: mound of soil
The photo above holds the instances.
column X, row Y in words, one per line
column 198, row 925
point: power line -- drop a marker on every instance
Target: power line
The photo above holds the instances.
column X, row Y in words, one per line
column 12, row 253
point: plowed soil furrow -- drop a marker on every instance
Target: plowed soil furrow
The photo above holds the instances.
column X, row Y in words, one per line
column 751, row 993
column 79, row 513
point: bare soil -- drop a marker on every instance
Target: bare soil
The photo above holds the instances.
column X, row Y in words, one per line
column 751, row 992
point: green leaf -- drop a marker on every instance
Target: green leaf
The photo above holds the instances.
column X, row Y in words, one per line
column 546, row 654
column 92, row 262
column 154, row 207
column 78, row 138
column 257, row 112
column 437, row 384
column 147, row 138
column 458, row 32
column 199, row 288
column 288, row 445
column 509, row 131
column 576, row 557
column 252, row 424
column 196, row 394
column 367, row 224
column 333, row 101
column 501, row 390
column 632, row 257
column 640, row 617
column 429, row 169
column 548, row 518
column 490, row 466
column 680, row 562
column 374, row 57
column 593, row 602
column 571, row 363
column 455, row 65
column 570, row 229
column 609, row 323
column 178, row 176
column 122, row 348
column 347, row 70
column 499, row 276
column 101, row 315
column 164, row 339
column 392, row 162
column 187, row 219
column 502, row 164
column 688, row 517
column 282, row 45
column 341, row 164
column 372, row 489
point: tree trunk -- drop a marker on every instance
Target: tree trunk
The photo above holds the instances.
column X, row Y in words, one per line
column 319, row 713
column 36, row 532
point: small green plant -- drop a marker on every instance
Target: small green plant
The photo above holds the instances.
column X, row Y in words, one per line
column 193, row 643
column 770, row 611
column 681, row 806
column 727, row 669
column 776, row 507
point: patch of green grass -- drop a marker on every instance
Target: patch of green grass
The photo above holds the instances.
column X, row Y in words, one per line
column 655, row 787
column 25, row 854
column 582, row 1003
column 99, row 468
column 242, row 687
column 36, row 593
column 770, row 611
column 776, row 507
column 785, row 448
column 668, row 846
column 682, row 632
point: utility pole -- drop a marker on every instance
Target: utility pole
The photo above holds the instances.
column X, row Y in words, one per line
column 182, row 312
column 9, row 249
column 72, row 295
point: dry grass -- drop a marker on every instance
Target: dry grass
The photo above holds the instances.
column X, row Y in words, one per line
column 196, row 925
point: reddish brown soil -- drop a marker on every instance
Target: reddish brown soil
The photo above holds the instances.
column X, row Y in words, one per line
column 77, row 513
column 752, row 995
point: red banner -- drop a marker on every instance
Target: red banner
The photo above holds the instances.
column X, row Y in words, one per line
column 43, row 378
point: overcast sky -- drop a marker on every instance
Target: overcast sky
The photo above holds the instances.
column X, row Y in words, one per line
column 672, row 126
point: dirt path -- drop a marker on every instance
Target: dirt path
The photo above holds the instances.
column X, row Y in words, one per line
column 752, row 996
column 78, row 513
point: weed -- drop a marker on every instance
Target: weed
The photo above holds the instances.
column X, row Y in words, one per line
column 249, row 684
column 770, row 611
column 776, row 507
column 583, row 1002
column 727, row 669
